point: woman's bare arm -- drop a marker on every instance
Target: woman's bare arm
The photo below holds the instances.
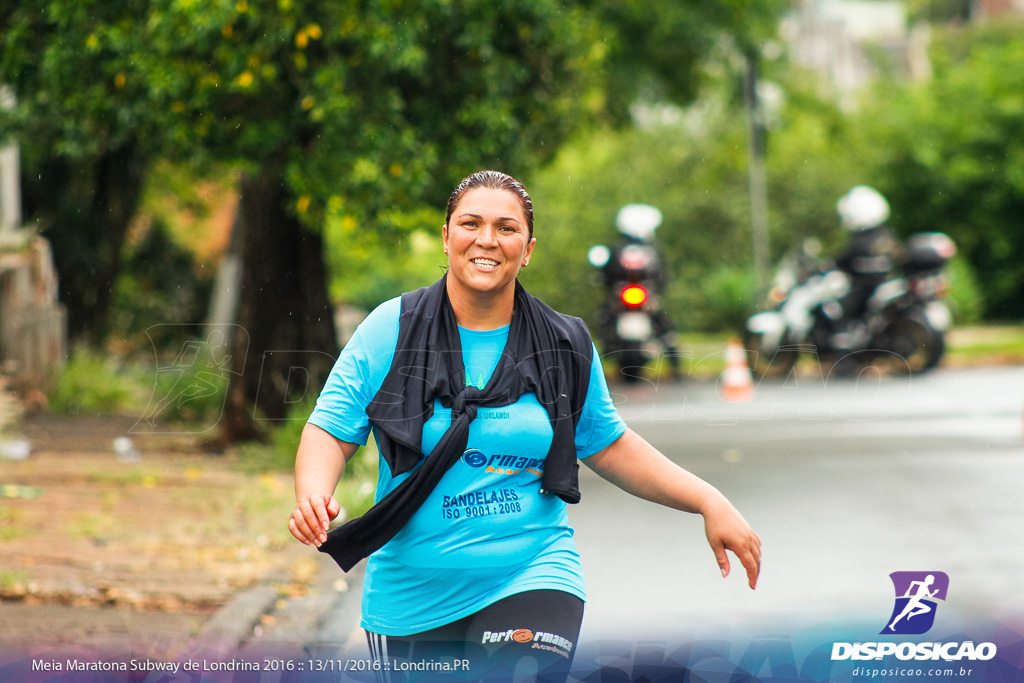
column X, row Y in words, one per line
column 637, row 467
column 319, row 464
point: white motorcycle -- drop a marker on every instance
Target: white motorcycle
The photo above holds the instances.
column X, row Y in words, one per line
column 902, row 328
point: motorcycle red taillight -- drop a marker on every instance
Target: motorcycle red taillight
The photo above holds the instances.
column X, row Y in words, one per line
column 633, row 295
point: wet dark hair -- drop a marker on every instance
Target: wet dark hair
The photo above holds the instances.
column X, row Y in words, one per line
column 494, row 180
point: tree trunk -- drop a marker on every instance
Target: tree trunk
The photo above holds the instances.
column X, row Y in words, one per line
column 284, row 346
column 86, row 209
column 119, row 177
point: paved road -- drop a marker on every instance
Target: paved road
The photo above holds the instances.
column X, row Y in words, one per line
column 845, row 482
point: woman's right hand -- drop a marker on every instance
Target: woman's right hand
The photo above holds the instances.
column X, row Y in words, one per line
column 311, row 517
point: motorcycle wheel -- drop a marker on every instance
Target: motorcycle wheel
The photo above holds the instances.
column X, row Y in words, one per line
column 938, row 350
column 631, row 363
column 920, row 346
column 778, row 365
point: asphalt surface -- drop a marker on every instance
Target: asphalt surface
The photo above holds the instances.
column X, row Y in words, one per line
column 845, row 481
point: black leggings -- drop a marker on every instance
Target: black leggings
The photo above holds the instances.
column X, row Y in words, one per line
column 534, row 632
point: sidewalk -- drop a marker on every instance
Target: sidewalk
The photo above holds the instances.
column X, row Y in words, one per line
column 270, row 616
column 261, row 618
column 147, row 553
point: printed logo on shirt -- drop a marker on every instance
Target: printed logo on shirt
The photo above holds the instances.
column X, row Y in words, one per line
column 513, row 464
column 500, row 463
column 474, row 457
column 537, row 640
column 480, row 498
column 476, row 504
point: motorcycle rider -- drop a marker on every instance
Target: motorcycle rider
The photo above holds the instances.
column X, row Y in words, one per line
column 873, row 251
column 876, row 304
column 634, row 260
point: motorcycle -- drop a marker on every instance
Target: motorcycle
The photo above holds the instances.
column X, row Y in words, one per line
column 628, row 318
column 632, row 327
column 902, row 328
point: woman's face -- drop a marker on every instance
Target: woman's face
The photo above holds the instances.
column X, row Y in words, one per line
column 487, row 240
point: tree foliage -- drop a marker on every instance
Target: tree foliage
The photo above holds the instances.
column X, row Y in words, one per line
column 658, row 51
column 946, row 153
column 367, row 108
column 346, row 115
column 359, row 111
column 86, row 129
column 353, row 112
column 950, row 154
column 71, row 65
column 692, row 164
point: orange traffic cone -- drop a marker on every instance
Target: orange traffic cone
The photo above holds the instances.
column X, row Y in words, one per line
column 737, row 382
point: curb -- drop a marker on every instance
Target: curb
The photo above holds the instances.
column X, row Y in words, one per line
column 233, row 623
column 326, row 616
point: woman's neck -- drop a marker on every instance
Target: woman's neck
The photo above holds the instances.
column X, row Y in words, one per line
column 481, row 311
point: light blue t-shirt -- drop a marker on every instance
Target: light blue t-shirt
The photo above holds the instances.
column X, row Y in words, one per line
column 485, row 532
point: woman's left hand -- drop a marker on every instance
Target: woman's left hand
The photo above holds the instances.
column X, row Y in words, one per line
column 727, row 530
column 636, row 466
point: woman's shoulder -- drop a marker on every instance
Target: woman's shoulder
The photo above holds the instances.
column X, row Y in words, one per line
column 571, row 326
column 379, row 329
column 386, row 313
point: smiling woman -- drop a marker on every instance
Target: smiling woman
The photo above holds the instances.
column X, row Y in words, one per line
column 471, row 555
column 488, row 238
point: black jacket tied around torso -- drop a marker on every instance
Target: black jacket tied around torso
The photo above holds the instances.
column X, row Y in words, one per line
column 547, row 353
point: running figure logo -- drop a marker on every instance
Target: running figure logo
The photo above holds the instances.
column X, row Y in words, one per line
column 198, row 375
column 916, row 595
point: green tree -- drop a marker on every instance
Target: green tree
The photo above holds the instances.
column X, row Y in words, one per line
column 950, row 154
column 694, row 173
column 693, row 166
column 344, row 113
column 352, row 112
column 359, row 113
column 84, row 123
column 646, row 53
column 659, row 51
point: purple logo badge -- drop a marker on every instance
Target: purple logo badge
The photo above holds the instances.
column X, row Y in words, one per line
column 916, row 595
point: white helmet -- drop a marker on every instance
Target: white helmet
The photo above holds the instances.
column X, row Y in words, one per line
column 862, row 208
column 638, row 220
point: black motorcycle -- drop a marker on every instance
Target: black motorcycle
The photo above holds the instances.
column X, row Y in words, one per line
column 632, row 327
column 626, row 321
column 901, row 329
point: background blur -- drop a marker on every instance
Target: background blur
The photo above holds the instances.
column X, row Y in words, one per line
column 238, row 181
